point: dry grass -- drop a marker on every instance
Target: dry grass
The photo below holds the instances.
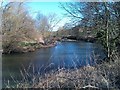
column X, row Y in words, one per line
column 100, row 77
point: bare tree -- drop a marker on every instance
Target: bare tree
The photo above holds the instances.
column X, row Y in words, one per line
column 17, row 25
column 101, row 16
column 46, row 24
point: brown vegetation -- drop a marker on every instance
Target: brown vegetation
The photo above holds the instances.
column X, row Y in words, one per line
column 103, row 76
column 19, row 30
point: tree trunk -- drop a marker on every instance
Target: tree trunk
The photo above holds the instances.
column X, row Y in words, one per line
column 106, row 28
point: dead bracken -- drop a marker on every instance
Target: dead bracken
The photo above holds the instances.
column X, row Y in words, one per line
column 97, row 77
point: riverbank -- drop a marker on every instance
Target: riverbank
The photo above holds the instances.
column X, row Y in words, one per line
column 68, row 72
column 98, row 77
column 88, row 39
column 74, row 38
column 28, row 47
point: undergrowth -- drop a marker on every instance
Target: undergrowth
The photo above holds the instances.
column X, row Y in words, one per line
column 104, row 76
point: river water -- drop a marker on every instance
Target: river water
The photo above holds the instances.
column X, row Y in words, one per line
column 64, row 55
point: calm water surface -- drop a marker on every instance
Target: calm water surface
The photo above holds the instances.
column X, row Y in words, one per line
column 64, row 54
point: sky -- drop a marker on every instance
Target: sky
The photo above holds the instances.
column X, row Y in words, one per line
column 47, row 8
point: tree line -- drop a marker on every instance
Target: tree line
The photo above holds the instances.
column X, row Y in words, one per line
column 102, row 18
column 19, row 29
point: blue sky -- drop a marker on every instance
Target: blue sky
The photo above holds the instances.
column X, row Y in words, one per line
column 47, row 8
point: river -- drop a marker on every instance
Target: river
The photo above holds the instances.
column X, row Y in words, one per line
column 64, row 55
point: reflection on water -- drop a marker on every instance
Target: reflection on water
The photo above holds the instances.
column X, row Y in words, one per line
column 65, row 54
